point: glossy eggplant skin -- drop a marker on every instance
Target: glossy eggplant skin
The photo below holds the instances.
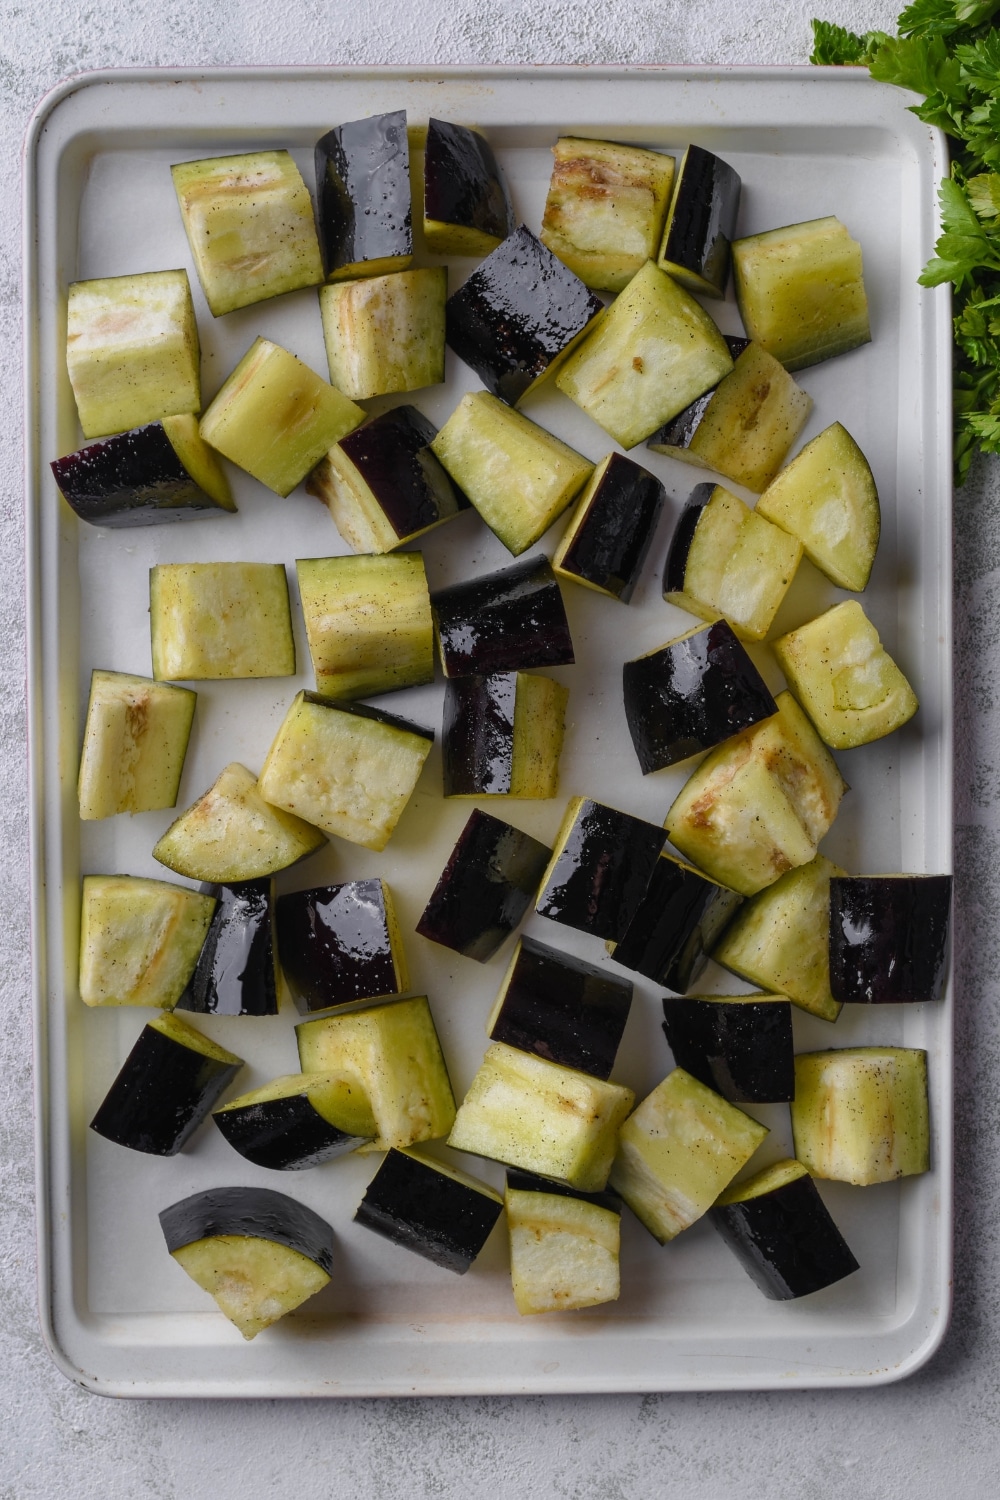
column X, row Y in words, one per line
column 477, row 736
column 134, row 478
column 526, row 1182
column 392, row 454
column 678, row 432
column 611, row 541
column 235, row 974
column 742, row 1050
column 691, row 695
column 517, row 312
column 889, row 938
column 284, row 1135
column 419, row 1208
column 463, row 183
column 680, row 542
column 363, row 191
column 485, row 888
column 255, row 1212
column 599, row 878
column 161, row 1095
column 679, row 921
column 701, row 222
column 786, row 1240
column 335, row 945
column 506, row 622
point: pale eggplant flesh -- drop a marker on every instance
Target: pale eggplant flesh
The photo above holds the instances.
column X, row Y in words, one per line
column 741, row 1048
column 363, row 191
column 786, row 1240
column 134, row 478
column 680, row 543
column 463, row 183
column 889, row 938
column 678, row 432
column 505, row 622
column 680, row 919
column 445, row 1217
column 253, row 1212
column 235, row 973
column 610, row 543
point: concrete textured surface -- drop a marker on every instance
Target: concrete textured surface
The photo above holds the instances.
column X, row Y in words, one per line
column 939, row 1432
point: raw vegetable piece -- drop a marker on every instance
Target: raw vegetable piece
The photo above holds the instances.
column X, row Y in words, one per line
column 651, row 354
column 844, row 678
column 528, row 1112
column 392, row 1051
column 827, row 498
column 153, row 474
column 605, row 208
column 467, row 207
column 724, row 559
column 165, row 1088
column 701, row 222
column 611, row 531
column 601, row 865
column 341, row 943
column 503, row 622
column 503, row 735
column 691, row 694
column 678, row 1150
column 368, row 622
column 676, row 925
column 801, row 291
column 675, row 436
column 861, row 1115
column 485, row 889
column 760, row 803
column 563, row 1246
column 236, row 972
column 132, row 350
column 781, row 1232
column 562, row 1008
column 518, row 476
column 431, row 1208
column 220, row 620
column 385, row 333
column 298, row 1121
column 276, row 418
column 363, row 191
column 232, row 834
column 780, row 939
column 139, row 940
column 739, row 1045
column 345, row 767
column 889, row 938
column 258, row 1253
column 518, row 315
column 134, row 744
column 249, row 222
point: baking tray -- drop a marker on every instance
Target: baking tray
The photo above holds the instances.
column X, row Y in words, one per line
column 119, row 1315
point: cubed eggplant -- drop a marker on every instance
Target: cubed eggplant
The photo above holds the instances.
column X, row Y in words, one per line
column 467, row 207
column 236, row 971
column 526, row 1182
column 341, row 943
column 701, row 222
column 385, row 334
column 610, row 534
column 675, row 437
column 154, row 474
column 505, row 622
column 503, row 735
column 677, row 923
column 889, row 938
column 564, row 1246
column 368, row 622
column 134, row 744
column 431, row 1208
column 139, row 940
column 298, row 1121
column 861, row 1115
column 363, row 190
column 213, row 621
column 738, row 1045
column 600, row 868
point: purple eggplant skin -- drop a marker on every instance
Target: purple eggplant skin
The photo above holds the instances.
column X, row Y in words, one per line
column 702, row 218
column 236, row 970
column 161, row 1095
column 682, row 916
column 477, row 737
column 600, row 877
column 890, row 938
column 743, row 1051
column 692, row 694
column 284, row 1135
column 678, row 432
column 253, row 1212
column 334, row 945
column 368, row 711
column 509, row 621
column 363, row 191
column 611, row 542
column 463, row 183
column 485, row 889
column 563, row 1009
column 419, row 1208
column 526, row 1182
column 134, row 478
column 393, row 456
column 516, row 314
column 786, row 1240
column 680, row 542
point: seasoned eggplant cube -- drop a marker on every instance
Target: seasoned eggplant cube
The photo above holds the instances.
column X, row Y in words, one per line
column 605, row 208
column 214, row 621
column 760, row 803
column 276, row 418
column 368, row 622
column 231, row 834
column 676, row 925
column 467, row 207
column 363, row 189
column 347, row 768
column 341, row 943
column 682, row 1145
column 528, row 1112
column 738, row 1045
column 780, row 939
column 701, row 222
column 385, row 333
column 392, row 1052
column 561, row 1008
column 249, row 222
column 431, row 1208
column 675, row 436
column 563, row 1247
column 139, row 940
column 298, row 1121
column 154, row 474
column 601, row 865
column 652, row 353
column 610, row 534
column 134, row 743
column 504, row 622
column 518, row 315
column 132, row 350
column 781, row 1232
column 258, row 1253
column 889, row 938
column 236, row 972
column 518, row 476
column 801, row 291
column 503, row 735
column 485, row 889
column 860, row 1114
column 166, row 1087
column 692, row 694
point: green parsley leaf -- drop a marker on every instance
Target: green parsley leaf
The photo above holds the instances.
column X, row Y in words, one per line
column 919, row 63
column 835, row 44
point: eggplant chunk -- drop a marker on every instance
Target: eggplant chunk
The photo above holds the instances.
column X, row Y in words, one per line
column 431, row 1208
column 503, row 735
column 363, row 190
column 152, row 475
column 341, row 943
column 134, row 744
column 675, row 437
column 220, row 620
column 368, row 622
column 139, row 940
column 601, row 865
column 236, row 972
column 610, row 534
column 504, row 622
column 385, row 333
column 739, row 1045
column 676, row 925
column 701, row 222
column 889, row 938
column 564, row 1246
column 861, row 1114
column 467, row 207
column 298, row 1121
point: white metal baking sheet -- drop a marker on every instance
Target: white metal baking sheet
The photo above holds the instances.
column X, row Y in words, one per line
column 119, row 1315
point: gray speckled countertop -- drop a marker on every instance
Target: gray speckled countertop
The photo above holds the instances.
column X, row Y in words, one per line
column 934, row 1434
